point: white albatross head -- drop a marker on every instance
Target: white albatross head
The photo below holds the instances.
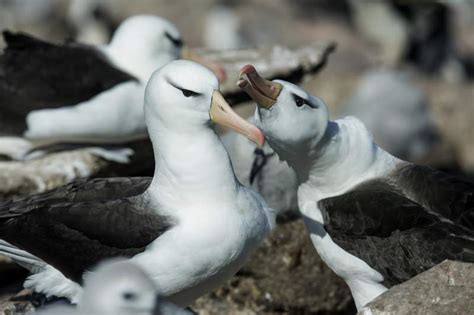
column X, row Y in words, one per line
column 119, row 287
column 184, row 96
column 143, row 43
column 292, row 120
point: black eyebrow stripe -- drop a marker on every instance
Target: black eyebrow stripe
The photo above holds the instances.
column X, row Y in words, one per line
column 311, row 105
column 180, row 88
column 176, row 41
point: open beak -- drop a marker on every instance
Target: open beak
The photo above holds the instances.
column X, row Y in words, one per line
column 221, row 113
column 218, row 70
column 262, row 91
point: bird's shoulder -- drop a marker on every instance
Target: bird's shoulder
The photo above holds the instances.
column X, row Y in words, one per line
column 447, row 195
column 374, row 207
column 98, row 219
column 251, row 201
column 103, row 191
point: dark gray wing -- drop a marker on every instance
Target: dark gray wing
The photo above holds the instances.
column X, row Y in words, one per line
column 81, row 190
column 35, row 74
column 76, row 226
column 393, row 234
column 449, row 196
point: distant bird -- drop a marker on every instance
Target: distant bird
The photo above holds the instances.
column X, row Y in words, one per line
column 375, row 220
column 263, row 171
column 89, row 21
column 395, row 111
column 431, row 47
column 190, row 228
column 117, row 287
column 222, row 29
column 73, row 93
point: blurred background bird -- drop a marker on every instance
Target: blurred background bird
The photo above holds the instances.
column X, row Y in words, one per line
column 117, row 286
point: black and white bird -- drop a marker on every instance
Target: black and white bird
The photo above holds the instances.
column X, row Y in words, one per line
column 190, row 228
column 374, row 219
column 395, row 111
column 117, row 287
column 73, row 93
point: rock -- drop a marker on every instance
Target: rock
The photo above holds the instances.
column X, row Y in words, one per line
column 19, row 304
column 447, row 288
column 285, row 275
column 38, row 175
column 291, row 64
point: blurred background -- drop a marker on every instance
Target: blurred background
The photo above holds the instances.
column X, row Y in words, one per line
column 405, row 67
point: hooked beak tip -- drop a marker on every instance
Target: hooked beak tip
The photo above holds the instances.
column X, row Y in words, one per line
column 247, row 69
column 262, row 91
column 242, row 83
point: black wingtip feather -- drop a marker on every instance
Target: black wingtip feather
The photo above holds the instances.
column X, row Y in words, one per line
column 20, row 40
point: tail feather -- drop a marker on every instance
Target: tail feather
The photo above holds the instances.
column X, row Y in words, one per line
column 21, row 257
column 44, row 278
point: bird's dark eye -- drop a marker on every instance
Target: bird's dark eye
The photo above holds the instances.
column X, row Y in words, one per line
column 176, row 41
column 299, row 100
column 129, row 296
column 188, row 93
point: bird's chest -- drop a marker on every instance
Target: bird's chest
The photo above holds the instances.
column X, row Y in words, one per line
column 196, row 258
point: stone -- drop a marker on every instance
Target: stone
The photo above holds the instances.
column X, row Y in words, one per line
column 447, row 288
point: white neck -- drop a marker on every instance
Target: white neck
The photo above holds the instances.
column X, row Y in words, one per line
column 345, row 156
column 194, row 163
column 137, row 64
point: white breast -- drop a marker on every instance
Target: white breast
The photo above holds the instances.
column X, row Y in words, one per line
column 203, row 251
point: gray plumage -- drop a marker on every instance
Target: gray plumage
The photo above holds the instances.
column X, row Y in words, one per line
column 89, row 220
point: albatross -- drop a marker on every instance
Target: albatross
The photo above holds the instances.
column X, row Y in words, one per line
column 190, row 227
column 374, row 219
column 117, row 287
column 73, row 93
